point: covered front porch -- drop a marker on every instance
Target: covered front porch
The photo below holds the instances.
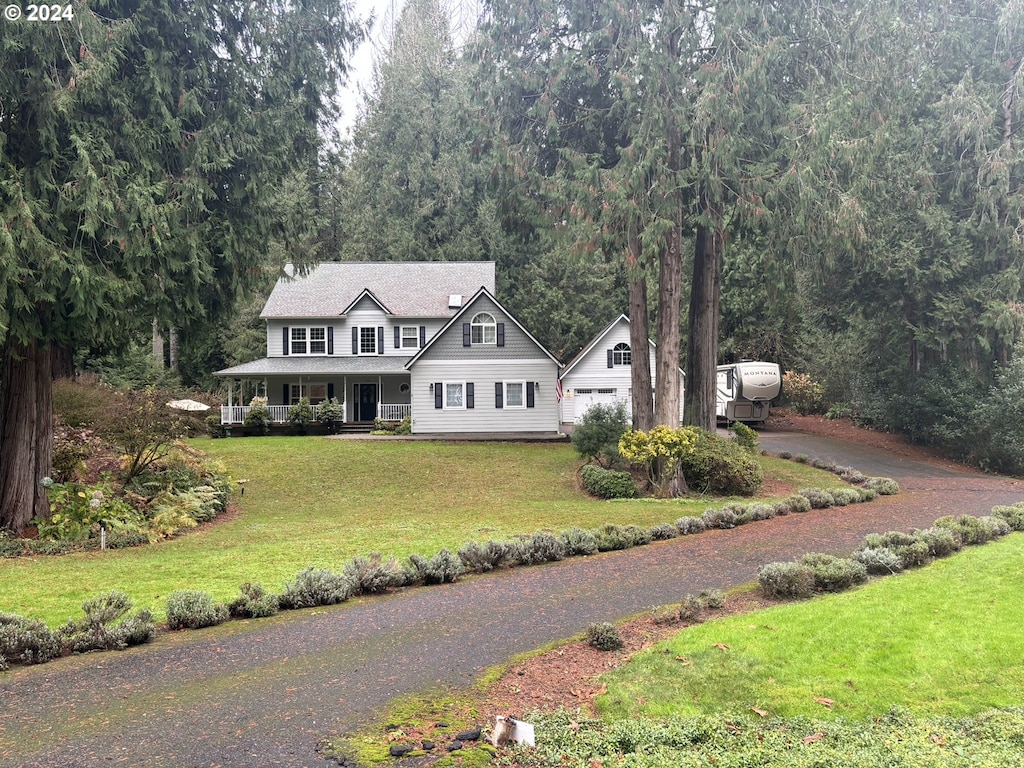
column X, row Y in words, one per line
column 364, row 395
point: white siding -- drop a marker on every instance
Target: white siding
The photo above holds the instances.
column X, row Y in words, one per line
column 592, row 372
column 360, row 316
column 484, row 417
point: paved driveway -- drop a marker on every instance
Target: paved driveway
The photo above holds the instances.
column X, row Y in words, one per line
column 261, row 693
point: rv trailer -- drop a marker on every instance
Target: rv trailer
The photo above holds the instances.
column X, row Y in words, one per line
column 745, row 390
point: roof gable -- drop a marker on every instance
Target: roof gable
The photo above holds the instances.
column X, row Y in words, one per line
column 404, row 289
column 482, row 296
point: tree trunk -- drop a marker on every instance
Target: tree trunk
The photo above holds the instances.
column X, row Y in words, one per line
column 26, row 434
column 670, row 276
column 639, row 341
column 158, row 345
column 702, row 357
column 172, row 349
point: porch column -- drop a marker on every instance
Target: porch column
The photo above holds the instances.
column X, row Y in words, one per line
column 344, row 400
column 380, row 397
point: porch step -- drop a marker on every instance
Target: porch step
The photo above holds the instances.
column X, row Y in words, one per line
column 355, row 427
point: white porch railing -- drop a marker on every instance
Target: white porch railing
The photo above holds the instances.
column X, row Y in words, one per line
column 235, row 414
column 393, row 411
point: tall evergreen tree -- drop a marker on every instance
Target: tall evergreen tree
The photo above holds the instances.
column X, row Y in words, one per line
column 140, row 144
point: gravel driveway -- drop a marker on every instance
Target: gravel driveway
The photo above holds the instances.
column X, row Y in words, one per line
column 261, row 693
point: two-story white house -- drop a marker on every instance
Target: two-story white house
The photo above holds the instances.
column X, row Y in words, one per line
column 389, row 340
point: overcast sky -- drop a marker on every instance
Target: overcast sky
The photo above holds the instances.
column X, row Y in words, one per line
column 362, row 63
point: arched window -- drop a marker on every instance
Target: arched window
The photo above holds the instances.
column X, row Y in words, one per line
column 621, row 355
column 483, row 329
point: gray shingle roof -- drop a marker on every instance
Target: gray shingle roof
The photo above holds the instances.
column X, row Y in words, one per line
column 326, row 366
column 406, row 289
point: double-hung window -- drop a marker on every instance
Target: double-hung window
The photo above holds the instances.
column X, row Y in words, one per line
column 308, row 340
column 316, row 393
column 454, row 395
column 515, row 394
column 410, row 337
column 368, row 341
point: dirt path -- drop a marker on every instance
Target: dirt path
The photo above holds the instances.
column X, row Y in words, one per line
column 261, row 693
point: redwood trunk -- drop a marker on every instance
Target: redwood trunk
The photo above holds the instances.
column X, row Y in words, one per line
column 702, row 357
column 26, row 434
column 670, row 275
column 639, row 341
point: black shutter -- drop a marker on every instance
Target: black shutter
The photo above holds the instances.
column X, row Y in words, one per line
column 355, row 340
column 610, row 362
column 501, row 334
column 284, row 342
column 330, row 391
column 470, row 400
column 398, row 337
column 438, row 394
column 287, row 396
column 466, row 335
column 330, row 339
column 499, row 394
column 423, row 336
column 529, row 394
column 380, row 339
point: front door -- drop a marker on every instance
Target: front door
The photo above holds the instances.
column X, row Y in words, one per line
column 366, row 402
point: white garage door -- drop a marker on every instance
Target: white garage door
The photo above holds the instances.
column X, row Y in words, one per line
column 584, row 398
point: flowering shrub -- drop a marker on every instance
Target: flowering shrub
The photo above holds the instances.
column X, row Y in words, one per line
column 662, row 447
column 802, row 392
column 258, row 418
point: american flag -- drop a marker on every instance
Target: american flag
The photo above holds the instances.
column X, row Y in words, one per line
column 558, row 390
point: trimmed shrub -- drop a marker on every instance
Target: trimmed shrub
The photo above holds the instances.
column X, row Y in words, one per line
column 442, row 568
column 193, row 609
column 818, row 497
column 798, row 503
column 781, row 508
column 371, row 573
column 941, row 542
column 883, row 486
column 719, row 518
column 744, row 436
column 26, row 641
column 316, row 586
column 611, row 536
column 596, row 435
column 786, row 580
column 753, row 513
column 579, row 542
column 107, row 626
column 608, row 483
column 690, row 608
column 968, row 529
column 834, row 574
column 543, row 547
column 254, row 602
column 721, row 467
column 604, row 637
column 879, row 561
column 691, row 525
column 996, row 525
column 480, row 558
column 712, row 598
column 845, row 496
column 851, row 475
column 663, row 532
column 1013, row 515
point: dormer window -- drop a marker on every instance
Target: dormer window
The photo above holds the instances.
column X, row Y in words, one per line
column 483, row 329
column 622, row 355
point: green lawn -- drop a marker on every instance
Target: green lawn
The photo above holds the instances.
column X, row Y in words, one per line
column 311, row 501
column 944, row 640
